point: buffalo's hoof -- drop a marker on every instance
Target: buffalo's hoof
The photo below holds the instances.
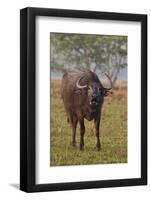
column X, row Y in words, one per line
column 81, row 148
column 98, row 148
column 74, row 144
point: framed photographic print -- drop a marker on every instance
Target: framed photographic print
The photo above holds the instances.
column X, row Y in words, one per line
column 83, row 99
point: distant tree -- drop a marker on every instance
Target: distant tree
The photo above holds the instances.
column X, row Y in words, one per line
column 107, row 54
column 114, row 56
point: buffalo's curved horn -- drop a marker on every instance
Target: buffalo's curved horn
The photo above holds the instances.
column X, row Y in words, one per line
column 78, row 84
column 110, row 80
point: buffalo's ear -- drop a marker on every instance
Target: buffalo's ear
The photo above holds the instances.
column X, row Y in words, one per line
column 107, row 92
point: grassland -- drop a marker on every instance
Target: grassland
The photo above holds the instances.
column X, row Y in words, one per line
column 113, row 132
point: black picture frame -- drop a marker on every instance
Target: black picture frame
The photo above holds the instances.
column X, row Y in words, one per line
column 28, row 98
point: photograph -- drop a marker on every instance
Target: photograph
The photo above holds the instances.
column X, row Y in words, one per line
column 88, row 99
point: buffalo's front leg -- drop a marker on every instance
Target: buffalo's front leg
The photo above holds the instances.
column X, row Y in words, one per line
column 74, row 121
column 97, row 132
column 82, row 131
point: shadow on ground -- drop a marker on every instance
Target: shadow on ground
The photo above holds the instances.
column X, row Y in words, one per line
column 14, row 185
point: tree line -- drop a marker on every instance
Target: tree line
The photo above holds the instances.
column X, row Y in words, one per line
column 104, row 53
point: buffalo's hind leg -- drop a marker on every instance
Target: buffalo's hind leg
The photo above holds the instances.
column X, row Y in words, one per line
column 74, row 122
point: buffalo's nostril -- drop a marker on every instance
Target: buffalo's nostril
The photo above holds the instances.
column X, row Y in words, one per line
column 94, row 97
column 93, row 100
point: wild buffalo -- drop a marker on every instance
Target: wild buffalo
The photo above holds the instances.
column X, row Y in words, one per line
column 83, row 96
